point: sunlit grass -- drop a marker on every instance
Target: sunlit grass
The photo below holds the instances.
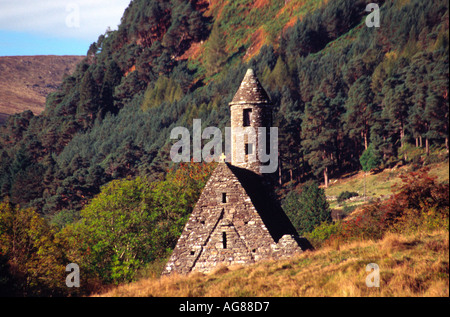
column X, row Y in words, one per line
column 410, row 265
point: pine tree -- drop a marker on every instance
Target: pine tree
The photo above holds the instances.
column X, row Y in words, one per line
column 289, row 123
column 319, row 133
column 307, row 209
column 89, row 98
column 369, row 160
column 112, row 78
column 215, row 51
column 437, row 104
column 396, row 107
column 436, row 112
column 359, row 110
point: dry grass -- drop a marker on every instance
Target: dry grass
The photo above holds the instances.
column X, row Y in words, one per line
column 25, row 81
column 414, row 265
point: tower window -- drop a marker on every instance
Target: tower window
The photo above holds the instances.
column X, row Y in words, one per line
column 224, row 197
column 247, row 117
column 248, row 148
column 224, row 240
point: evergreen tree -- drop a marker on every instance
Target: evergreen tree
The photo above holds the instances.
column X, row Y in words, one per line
column 359, row 110
column 396, row 107
column 307, row 209
column 215, row 51
column 437, row 104
column 369, row 160
column 112, row 78
column 417, row 80
column 89, row 98
column 319, row 134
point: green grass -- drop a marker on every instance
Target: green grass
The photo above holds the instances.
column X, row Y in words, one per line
column 441, row 171
column 379, row 185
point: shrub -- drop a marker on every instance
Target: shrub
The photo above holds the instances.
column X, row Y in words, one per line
column 323, row 232
column 346, row 195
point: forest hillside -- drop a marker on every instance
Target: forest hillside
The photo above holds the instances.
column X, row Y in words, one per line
column 90, row 181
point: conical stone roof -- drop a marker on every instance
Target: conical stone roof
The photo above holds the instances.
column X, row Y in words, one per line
column 250, row 91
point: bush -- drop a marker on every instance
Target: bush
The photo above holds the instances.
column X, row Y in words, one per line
column 323, row 232
column 346, row 195
column 346, row 210
column 432, row 159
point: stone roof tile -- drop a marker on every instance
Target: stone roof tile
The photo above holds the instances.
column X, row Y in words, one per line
column 250, row 91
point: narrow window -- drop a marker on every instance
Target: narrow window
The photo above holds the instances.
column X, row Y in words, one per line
column 247, row 117
column 224, row 240
column 248, row 148
column 224, row 197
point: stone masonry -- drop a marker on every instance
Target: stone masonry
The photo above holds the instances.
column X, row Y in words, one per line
column 236, row 219
column 252, row 101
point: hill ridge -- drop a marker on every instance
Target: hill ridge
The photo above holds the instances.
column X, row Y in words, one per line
column 26, row 80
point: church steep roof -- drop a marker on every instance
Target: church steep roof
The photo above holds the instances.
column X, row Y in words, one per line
column 250, row 91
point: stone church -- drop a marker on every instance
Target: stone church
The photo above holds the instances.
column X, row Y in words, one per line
column 236, row 219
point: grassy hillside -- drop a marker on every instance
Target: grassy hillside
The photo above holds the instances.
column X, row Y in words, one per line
column 378, row 185
column 410, row 265
column 27, row 80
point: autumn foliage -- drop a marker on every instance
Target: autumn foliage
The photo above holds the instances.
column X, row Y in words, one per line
column 419, row 203
column 121, row 231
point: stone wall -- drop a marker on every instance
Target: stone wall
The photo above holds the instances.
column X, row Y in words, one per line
column 225, row 228
column 236, row 219
column 261, row 117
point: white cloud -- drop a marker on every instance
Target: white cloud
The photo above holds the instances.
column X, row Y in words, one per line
column 79, row 19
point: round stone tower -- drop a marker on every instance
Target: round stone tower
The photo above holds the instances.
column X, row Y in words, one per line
column 250, row 109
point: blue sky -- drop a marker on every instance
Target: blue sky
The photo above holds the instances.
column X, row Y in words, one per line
column 55, row 27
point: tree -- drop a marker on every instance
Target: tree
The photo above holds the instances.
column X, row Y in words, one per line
column 133, row 222
column 288, row 120
column 89, row 98
column 369, row 160
column 112, row 78
column 113, row 237
column 34, row 257
column 359, row 110
column 417, row 80
column 307, row 209
column 165, row 89
column 319, row 134
column 215, row 53
column 437, row 104
column 436, row 111
column 396, row 107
